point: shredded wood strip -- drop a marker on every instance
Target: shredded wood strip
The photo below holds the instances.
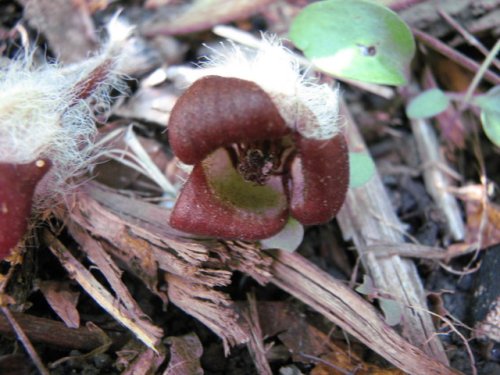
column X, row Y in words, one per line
column 348, row 310
column 138, row 234
column 145, row 332
column 212, row 308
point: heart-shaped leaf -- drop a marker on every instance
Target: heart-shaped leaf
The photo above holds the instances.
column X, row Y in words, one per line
column 427, row 104
column 355, row 39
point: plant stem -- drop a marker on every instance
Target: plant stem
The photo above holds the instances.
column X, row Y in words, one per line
column 480, row 73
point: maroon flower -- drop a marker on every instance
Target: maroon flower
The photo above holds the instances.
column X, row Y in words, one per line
column 17, row 186
column 251, row 169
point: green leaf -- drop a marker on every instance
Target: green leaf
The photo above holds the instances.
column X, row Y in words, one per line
column 427, row 104
column 361, row 168
column 490, row 114
column 355, row 39
column 288, row 239
column 367, row 287
column 489, row 101
column 491, row 125
column 392, row 311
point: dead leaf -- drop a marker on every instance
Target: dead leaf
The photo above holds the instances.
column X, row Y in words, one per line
column 490, row 234
column 67, row 25
column 185, row 354
column 149, row 104
column 62, row 300
column 135, row 359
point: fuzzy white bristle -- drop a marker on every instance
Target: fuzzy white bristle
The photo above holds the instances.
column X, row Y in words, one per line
column 45, row 111
column 274, row 68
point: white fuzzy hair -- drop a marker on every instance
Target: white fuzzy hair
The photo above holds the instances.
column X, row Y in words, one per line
column 43, row 114
column 306, row 106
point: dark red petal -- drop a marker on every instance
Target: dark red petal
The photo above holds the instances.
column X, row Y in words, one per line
column 217, row 202
column 320, row 179
column 17, row 185
column 217, row 111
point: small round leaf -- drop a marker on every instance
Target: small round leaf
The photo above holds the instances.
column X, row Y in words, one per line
column 355, row 39
column 489, row 101
column 490, row 114
column 491, row 125
column 361, row 168
column 367, row 287
column 427, row 104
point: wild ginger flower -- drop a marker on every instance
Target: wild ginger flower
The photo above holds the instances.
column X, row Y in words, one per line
column 265, row 144
column 47, row 128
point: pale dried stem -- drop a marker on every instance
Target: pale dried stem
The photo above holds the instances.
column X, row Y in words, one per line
column 409, row 250
column 437, row 183
column 395, row 274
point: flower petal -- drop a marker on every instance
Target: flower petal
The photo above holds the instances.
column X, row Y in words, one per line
column 17, row 186
column 217, row 111
column 319, row 179
column 217, row 202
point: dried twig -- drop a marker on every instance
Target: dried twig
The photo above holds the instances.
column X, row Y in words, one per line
column 481, row 72
column 57, row 334
column 471, row 39
column 437, row 182
column 454, row 55
column 25, row 341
